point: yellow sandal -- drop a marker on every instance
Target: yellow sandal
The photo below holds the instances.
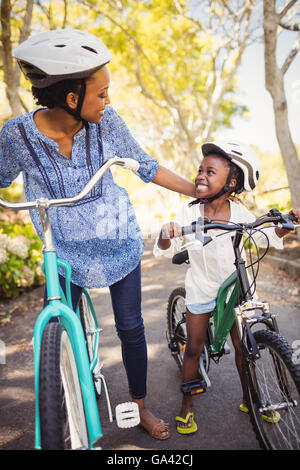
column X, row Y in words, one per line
column 188, row 429
column 273, row 418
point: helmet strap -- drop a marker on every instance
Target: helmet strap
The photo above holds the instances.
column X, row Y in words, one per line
column 77, row 113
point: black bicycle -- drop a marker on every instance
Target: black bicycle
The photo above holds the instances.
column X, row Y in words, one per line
column 271, row 376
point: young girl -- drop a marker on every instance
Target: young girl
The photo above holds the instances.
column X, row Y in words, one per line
column 227, row 167
column 59, row 147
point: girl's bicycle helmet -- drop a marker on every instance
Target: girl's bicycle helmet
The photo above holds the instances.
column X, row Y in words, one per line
column 241, row 155
column 60, row 54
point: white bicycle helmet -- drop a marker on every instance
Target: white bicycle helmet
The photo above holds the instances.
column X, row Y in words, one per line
column 241, row 155
column 59, row 54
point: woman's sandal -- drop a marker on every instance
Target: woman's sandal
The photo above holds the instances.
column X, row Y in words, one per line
column 274, row 416
column 188, row 429
column 159, row 430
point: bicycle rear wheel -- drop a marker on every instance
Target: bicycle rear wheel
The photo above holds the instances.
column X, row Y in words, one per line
column 176, row 325
column 272, row 385
column 62, row 417
column 176, row 328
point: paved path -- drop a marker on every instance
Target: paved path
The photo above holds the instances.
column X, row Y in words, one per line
column 221, row 424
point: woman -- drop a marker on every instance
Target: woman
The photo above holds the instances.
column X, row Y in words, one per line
column 58, row 148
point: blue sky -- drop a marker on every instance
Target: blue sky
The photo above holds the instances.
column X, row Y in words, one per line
column 259, row 129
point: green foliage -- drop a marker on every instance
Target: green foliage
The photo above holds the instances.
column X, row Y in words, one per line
column 20, row 249
column 13, row 193
column 20, row 259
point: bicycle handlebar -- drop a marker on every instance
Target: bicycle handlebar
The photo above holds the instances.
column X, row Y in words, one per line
column 203, row 223
column 128, row 163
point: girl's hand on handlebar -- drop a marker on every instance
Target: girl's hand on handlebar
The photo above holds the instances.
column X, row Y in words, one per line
column 171, row 230
column 168, row 231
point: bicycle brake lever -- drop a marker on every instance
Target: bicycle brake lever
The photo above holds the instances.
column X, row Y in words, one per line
column 199, row 234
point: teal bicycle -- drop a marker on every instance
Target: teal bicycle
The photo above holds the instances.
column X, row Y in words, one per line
column 68, row 371
column 271, row 376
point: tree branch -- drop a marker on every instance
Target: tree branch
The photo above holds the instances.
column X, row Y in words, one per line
column 26, row 27
column 146, row 92
column 294, row 51
column 290, row 27
column 65, row 14
column 287, row 7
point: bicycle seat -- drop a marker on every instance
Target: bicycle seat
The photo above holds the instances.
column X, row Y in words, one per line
column 180, row 258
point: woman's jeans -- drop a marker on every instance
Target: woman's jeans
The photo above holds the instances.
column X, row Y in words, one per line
column 126, row 303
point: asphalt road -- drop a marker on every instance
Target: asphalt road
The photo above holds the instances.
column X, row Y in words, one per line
column 221, row 425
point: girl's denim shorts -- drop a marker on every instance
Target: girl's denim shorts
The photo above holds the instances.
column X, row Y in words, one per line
column 200, row 308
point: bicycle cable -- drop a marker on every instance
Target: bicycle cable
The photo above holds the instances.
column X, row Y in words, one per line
column 250, row 238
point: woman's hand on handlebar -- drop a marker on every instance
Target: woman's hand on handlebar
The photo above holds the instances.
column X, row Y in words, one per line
column 296, row 213
column 168, row 231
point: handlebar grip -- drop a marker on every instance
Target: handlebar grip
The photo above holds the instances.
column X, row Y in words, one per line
column 131, row 164
column 189, row 229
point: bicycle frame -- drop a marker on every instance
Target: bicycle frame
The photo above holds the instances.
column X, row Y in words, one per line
column 234, row 301
column 227, row 299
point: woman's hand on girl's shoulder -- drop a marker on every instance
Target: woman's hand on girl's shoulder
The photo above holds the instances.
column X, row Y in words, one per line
column 236, row 200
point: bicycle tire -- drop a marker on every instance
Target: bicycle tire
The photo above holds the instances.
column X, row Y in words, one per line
column 176, row 328
column 89, row 328
column 273, row 379
column 62, row 418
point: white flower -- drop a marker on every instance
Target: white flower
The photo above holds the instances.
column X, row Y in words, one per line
column 28, row 277
column 4, row 239
column 19, row 246
column 3, row 255
column 40, row 277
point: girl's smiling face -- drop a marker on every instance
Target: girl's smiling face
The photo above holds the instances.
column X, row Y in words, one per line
column 212, row 176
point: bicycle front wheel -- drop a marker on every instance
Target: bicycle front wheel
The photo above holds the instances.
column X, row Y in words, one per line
column 62, row 417
column 272, row 385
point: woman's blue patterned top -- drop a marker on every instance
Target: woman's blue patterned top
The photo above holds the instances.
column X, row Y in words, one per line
column 99, row 236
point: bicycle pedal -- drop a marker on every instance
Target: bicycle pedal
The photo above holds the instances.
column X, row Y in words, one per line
column 127, row 415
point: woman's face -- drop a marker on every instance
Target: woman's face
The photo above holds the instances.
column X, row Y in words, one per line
column 212, row 176
column 96, row 96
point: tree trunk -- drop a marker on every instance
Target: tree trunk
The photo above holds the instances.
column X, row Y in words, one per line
column 287, row 148
column 11, row 71
column 275, row 85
